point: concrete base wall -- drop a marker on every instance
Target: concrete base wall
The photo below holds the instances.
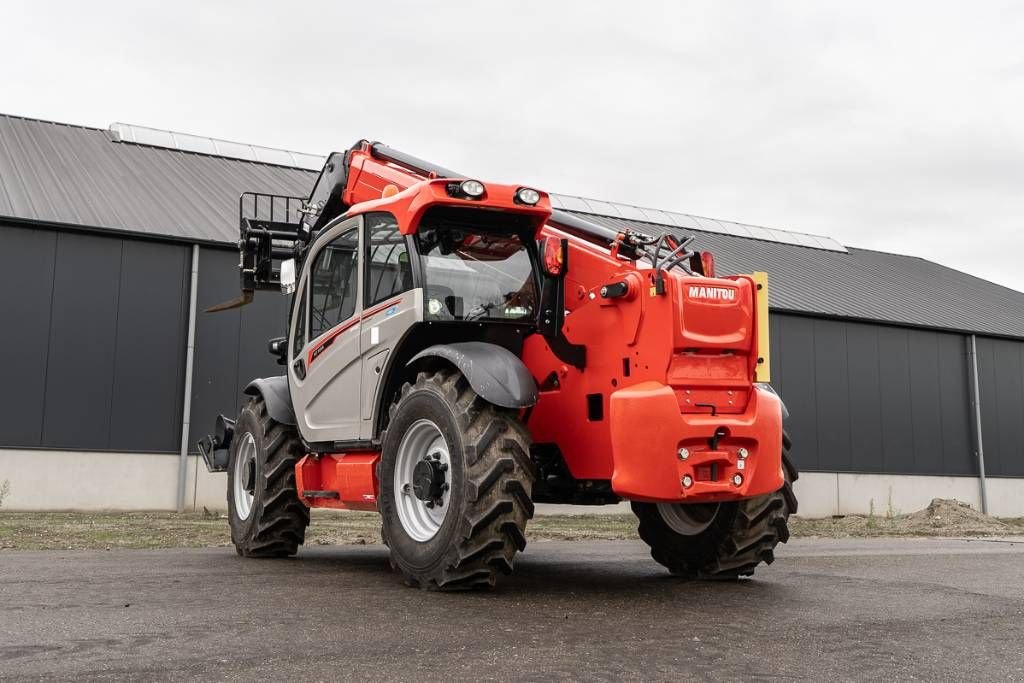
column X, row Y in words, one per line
column 76, row 480
column 822, row 494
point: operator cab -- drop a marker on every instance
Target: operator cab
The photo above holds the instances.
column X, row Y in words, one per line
column 381, row 284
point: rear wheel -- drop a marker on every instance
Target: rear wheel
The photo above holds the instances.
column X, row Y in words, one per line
column 267, row 518
column 455, row 485
column 717, row 541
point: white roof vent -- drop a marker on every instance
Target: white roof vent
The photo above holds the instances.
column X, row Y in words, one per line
column 186, row 142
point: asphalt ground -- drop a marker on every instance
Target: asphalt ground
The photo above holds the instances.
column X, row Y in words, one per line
column 926, row 609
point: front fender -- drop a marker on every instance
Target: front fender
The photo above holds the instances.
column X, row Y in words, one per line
column 495, row 373
column 274, row 391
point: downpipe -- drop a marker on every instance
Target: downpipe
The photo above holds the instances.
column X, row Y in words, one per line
column 186, row 410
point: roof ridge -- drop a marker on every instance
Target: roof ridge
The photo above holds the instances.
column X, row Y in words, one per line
column 51, row 121
column 685, row 213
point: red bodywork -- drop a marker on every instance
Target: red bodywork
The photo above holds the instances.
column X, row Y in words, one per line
column 352, row 476
column 666, row 407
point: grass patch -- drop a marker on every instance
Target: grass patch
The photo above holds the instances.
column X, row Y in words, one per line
column 115, row 530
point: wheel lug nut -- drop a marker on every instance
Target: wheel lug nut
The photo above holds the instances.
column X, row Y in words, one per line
column 742, row 453
column 684, row 453
column 737, row 479
column 687, row 481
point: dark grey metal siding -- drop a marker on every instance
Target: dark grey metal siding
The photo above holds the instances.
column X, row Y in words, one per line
column 26, row 287
column 872, row 398
column 231, row 346
column 149, row 369
column 96, row 344
column 1001, row 375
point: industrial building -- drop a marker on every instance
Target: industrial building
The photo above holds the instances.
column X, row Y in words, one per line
column 904, row 378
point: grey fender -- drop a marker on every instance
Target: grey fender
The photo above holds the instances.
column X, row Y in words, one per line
column 495, row 373
column 274, row 391
column 764, row 386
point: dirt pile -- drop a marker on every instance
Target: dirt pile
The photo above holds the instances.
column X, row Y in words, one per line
column 952, row 515
column 942, row 517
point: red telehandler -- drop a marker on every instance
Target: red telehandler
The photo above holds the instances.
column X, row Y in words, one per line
column 458, row 351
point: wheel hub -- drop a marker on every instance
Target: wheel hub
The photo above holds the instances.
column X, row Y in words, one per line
column 428, row 480
column 421, row 487
column 249, row 477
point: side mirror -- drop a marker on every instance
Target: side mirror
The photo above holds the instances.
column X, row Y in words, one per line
column 278, row 347
column 288, row 276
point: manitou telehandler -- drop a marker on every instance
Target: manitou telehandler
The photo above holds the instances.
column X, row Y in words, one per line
column 458, row 351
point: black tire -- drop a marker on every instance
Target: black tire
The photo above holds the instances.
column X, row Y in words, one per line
column 277, row 521
column 491, row 481
column 743, row 534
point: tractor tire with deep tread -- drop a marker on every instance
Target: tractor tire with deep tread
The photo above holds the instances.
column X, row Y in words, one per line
column 490, row 477
column 275, row 523
column 742, row 535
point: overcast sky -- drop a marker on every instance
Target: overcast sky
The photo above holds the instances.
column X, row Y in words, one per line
column 892, row 126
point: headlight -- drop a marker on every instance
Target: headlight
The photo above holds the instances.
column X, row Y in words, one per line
column 472, row 188
column 526, row 195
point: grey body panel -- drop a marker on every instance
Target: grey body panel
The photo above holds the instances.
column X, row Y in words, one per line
column 326, row 395
column 274, row 391
column 495, row 373
column 380, row 334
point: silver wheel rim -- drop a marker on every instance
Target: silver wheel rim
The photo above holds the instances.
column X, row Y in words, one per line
column 245, row 463
column 688, row 519
column 422, row 440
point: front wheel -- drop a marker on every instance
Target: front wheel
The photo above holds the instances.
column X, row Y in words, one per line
column 720, row 540
column 267, row 518
column 455, row 485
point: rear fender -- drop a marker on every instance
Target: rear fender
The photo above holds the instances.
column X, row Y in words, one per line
column 274, row 391
column 495, row 373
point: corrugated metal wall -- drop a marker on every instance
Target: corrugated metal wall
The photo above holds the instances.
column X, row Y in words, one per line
column 1001, row 373
column 874, row 398
column 95, row 346
column 94, row 339
column 231, row 346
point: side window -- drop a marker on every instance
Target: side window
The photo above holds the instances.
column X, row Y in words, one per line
column 333, row 283
column 388, row 271
column 299, row 334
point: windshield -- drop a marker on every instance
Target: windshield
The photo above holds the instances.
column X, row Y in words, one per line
column 476, row 274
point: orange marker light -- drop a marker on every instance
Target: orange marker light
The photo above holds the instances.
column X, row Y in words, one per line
column 554, row 257
column 389, row 191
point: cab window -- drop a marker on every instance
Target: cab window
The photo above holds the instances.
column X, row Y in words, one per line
column 299, row 333
column 388, row 270
column 334, row 280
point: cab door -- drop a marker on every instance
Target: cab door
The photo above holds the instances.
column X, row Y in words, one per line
column 325, row 368
column 391, row 305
